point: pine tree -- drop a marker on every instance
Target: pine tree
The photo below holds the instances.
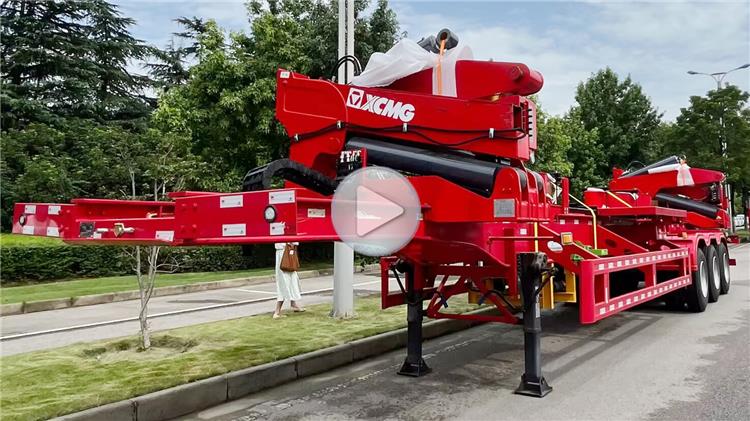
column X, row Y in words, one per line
column 170, row 68
column 69, row 58
column 43, row 50
column 118, row 94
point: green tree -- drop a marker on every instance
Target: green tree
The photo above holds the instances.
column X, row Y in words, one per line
column 567, row 148
column 586, row 155
column 68, row 58
column 623, row 117
column 228, row 105
column 171, row 65
column 43, row 45
column 381, row 31
column 553, row 143
column 81, row 158
column 721, row 115
column 119, row 92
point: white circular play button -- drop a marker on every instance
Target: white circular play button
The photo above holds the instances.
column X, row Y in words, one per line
column 375, row 210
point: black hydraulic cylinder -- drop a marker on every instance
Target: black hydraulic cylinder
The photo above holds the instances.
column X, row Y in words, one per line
column 666, row 161
column 531, row 267
column 464, row 170
column 684, row 203
column 414, row 365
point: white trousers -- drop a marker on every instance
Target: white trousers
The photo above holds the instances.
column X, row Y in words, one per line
column 287, row 283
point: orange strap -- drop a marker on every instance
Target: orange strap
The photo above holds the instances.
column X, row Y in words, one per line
column 440, row 68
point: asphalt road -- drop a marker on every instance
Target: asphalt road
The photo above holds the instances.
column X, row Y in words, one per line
column 646, row 363
column 364, row 284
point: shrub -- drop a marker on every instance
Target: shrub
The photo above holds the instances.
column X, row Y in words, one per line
column 39, row 264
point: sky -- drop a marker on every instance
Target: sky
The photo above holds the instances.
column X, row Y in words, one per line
column 655, row 42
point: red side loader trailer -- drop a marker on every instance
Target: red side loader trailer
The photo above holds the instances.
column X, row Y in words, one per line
column 491, row 227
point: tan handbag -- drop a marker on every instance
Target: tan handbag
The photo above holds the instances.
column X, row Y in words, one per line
column 289, row 260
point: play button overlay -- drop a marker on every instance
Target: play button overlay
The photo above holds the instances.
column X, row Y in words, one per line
column 375, row 210
column 386, row 211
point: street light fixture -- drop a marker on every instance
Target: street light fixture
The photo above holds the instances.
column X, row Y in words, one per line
column 719, row 76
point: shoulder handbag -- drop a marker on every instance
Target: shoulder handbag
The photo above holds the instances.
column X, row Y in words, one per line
column 289, row 260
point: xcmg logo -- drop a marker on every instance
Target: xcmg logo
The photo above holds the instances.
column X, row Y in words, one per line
column 379, row 105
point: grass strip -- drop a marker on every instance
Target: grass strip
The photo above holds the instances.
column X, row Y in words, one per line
column 89, row 286
column 45, row 384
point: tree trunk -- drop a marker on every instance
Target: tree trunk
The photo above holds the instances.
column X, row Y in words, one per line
column 132, row 182
column 143, row 319
column 144, row 296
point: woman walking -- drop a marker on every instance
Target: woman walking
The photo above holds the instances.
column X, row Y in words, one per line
column 287, row 283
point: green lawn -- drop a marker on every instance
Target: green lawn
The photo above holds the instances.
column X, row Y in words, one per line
column 18, row 240
column 88, row 286
column 45, row 384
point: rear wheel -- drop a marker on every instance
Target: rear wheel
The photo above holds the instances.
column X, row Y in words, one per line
column 714, row 278
column 696, row 295
column 724, row 268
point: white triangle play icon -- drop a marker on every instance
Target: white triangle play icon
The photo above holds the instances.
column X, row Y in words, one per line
column 374, row 210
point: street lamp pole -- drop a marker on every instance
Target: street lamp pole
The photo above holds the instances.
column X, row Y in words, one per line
column 343, row 255
column 718, row 77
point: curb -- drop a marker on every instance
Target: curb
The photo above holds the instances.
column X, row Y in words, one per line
column 88, row 300
column 185, row 399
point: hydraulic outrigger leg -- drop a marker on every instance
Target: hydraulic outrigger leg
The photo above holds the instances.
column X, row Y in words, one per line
column 531, row 268
column 414, row 364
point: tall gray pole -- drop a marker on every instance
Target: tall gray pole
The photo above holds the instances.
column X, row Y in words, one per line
column 343, row 255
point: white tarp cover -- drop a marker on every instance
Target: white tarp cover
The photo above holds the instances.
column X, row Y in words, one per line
column 406, row 58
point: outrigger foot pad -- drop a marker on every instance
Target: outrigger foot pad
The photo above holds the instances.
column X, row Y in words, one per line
column 537, row 389
column 414, row 369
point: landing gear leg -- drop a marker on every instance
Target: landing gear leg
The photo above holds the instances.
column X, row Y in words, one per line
column 414, row 364
column 531, row 267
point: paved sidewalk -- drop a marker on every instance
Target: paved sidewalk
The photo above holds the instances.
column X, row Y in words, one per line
column 366, row 284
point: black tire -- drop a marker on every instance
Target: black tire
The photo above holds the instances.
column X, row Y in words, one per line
column 714, row 277
column 696, row 295
column 724, row 268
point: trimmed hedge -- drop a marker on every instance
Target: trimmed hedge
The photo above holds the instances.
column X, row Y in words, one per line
column 40, row 264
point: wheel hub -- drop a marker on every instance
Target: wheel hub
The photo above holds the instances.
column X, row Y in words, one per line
column 715, row 273
column 703, row 279
column 726, row 268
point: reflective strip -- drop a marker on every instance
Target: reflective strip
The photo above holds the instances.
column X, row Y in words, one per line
column 277, row 228
column 235, row 201
column 164, row 235
column 233, row 230
column 276, row 197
